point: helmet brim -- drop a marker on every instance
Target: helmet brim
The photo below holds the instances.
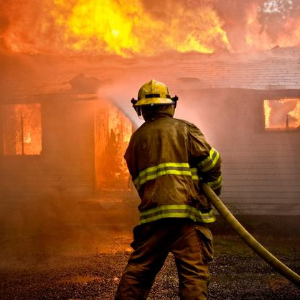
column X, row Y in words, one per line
column 154, row 101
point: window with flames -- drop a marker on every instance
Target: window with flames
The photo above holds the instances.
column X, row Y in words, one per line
column 112, row 134
column 283, row 114
column 22, row 129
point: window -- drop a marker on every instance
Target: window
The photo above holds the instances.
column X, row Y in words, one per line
column 22, row 130
column 283, row 114
column 112, row 134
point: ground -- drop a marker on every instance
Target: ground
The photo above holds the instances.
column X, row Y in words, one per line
column 85, row 263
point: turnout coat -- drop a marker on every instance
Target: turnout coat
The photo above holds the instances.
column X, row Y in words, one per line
column 168, row 158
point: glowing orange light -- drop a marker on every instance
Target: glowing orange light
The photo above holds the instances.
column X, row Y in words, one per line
column 138, row 27
column 123, row 27
column 282, row 114
column 112, row 134
column 22, row 130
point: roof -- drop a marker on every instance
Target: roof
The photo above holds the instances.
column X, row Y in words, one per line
column 23, row 75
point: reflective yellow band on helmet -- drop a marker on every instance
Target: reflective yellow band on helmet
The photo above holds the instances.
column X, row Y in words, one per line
column 209, row 162
column 163, row 169
column 176, row 211
column 215, row 184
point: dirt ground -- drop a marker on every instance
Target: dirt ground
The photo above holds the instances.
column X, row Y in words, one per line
column 85, row 264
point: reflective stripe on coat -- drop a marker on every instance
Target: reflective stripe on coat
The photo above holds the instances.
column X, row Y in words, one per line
column 167, row 158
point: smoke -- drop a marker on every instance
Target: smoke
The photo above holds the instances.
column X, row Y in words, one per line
column 279, row 17
column 35, row 231
column 280, row 115
column 244, row 21
column 53, row 225
column 189, row 107
column 272, row 22
column 120, row 93
column 50, row 222
column 4, row 25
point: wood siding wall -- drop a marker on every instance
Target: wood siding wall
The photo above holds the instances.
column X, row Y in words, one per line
column 261, row 169
column 66, row 165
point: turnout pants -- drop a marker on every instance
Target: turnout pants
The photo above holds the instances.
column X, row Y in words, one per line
column 191, row 245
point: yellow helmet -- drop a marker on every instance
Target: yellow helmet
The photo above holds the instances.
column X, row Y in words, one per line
column 154, row 93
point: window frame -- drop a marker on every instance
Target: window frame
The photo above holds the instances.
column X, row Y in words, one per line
column 277, row 98
column 2, row 106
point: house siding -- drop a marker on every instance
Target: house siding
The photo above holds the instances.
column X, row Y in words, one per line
column 66, row 165
column 261, row 169
column 220, row 93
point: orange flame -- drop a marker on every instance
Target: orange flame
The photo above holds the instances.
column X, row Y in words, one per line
column 282, row 114
column 293, row 28
column 115, row 27
column 267, row 110
column 144, row 27
column 255, row 39
column 112, row 134
column 282, row 30
column 22, row 129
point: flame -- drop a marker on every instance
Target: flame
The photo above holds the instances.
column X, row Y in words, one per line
column 292, row 36
column 22, row 129
column 27, row 138
column 112, row 134
column 145, row 28
column 119, row 27
column 295, row 114
column 282, row 114
column 255, row 39
column 267, row 110
column 282, row 30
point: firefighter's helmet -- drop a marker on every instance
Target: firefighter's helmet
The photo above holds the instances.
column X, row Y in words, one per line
column 154, row 93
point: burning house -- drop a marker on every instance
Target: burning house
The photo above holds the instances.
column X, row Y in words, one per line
column 65, row 104
column 62, row 138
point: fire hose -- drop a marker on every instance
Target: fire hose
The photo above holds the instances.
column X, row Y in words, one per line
column 248, row 238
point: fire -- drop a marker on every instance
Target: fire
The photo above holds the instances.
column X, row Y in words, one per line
column 122, row 27
column 112, row 134
column 255, row 38
column 295, row 114
column 282, row 114
column 145, row 28
column 267, row 110
column 293, row 28
column 263, row 36
column 22, row 129
column 275, row 23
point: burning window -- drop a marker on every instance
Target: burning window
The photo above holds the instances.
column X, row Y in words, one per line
column 283, row 114
column 22, row 130
column 112, row 134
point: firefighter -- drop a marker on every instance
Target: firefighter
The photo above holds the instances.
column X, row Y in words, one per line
column 167, row 159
